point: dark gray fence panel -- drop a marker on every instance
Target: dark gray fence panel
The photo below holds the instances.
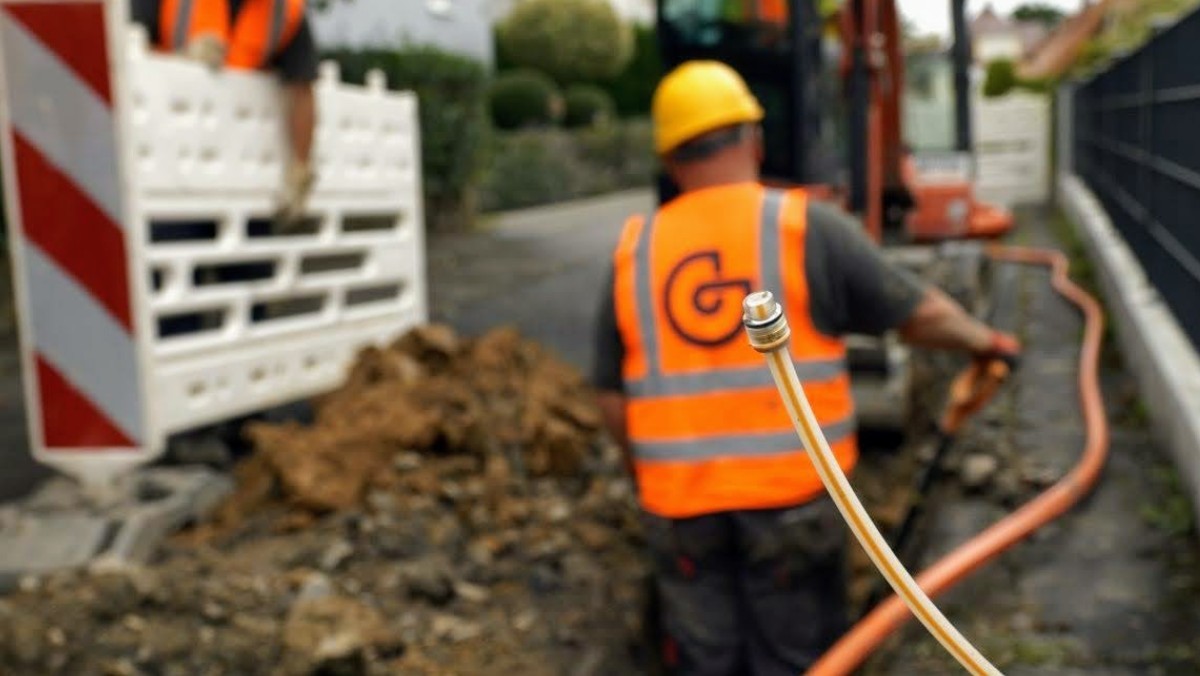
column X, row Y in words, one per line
column 1137, row 146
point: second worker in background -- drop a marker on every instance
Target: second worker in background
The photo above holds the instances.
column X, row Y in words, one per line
column 269, row 35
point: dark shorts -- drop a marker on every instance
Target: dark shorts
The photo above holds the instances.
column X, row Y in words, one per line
column 751, row 592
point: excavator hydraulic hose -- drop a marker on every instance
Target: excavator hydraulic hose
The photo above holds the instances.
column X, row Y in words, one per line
column 866, row 636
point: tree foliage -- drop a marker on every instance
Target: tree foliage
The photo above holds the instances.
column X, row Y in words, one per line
column 570, row 40
column 1001, row 78
column 1128, row 26
column 1039, row 12
column 633, row 88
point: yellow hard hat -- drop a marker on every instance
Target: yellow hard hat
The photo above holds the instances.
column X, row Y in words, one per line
column 699, row 97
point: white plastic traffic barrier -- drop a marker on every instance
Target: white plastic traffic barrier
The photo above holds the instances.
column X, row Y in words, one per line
column 155, row 292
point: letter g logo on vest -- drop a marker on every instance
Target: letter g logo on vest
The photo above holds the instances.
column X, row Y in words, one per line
column 703, row 308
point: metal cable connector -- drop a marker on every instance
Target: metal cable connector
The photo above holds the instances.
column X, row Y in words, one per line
column 766, row 325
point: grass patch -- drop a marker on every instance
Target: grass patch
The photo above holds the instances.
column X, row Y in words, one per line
column 1133, row 414
column 1083, row 272
column 1171, row 512
column 1008, row 648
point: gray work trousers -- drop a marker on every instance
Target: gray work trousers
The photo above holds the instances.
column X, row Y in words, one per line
column 750, row 592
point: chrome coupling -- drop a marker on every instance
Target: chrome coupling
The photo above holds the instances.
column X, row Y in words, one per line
column 765, row 323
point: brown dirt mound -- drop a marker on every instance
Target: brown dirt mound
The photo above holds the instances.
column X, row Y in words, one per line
column 431, row 393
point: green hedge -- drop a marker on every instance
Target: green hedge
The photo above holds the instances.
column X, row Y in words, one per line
column 1001, row 78
column 634, row 87
column 587, row 106
column 453, row 94
column 569, row 40
column 542, row 166
column 524, row 98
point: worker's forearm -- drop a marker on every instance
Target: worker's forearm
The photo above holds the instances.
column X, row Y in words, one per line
column 302, row 120
column 612, row 409
column 939, row 322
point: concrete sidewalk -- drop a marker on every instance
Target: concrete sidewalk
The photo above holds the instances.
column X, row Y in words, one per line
column 1113, row 587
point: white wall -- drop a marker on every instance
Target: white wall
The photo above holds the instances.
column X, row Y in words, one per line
column 1012, row 148
column 462, row 26
column 1003, row 46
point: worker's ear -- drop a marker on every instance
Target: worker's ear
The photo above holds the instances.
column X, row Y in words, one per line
column 670, row 167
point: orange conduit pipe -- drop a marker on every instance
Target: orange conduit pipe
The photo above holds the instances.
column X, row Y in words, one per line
column 866, row 636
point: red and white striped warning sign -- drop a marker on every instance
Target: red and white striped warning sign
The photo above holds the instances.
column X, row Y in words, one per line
column 64, row 193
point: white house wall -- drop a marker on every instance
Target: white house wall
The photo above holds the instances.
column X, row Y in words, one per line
column 462, row 26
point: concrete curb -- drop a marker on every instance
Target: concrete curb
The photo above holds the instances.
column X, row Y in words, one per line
column 1159, row 354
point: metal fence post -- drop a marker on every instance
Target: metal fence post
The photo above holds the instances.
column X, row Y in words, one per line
column 1065, row 131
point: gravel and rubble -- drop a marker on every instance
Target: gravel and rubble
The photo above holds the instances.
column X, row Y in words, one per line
column 453, row 509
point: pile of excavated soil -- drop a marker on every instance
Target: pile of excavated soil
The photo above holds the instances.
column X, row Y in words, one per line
column 498, row 399
column 452, row 510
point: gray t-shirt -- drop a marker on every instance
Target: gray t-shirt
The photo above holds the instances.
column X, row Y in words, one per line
column 852, row 289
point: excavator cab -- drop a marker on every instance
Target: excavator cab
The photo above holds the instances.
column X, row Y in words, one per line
column 776, row 46
column 832, row 83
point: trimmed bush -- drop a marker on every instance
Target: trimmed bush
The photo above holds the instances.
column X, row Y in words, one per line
column 587, row 106
column 569, row 40
column 1001, row 78
column 524, row 98
column 542, row 166
column 633, row 88
column 452, row 96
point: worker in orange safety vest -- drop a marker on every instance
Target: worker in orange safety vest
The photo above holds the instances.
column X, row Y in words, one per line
column 749, row 549
column 250, row 35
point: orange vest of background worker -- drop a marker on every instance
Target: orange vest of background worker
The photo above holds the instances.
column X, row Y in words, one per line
column 251, row 35
column 245, row 41
column 748, row 549
column 706, row 427
column 768, row 11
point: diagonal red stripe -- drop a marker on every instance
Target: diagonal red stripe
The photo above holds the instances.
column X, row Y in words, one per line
column 69, row 228
column 74, row 31
column 69, row 420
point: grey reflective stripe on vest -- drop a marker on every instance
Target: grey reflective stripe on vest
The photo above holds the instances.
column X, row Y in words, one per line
column 768, row 245
column 278, row 16
column 645, row 301
column 735, row 445
column 183, row 24
column 729, row 379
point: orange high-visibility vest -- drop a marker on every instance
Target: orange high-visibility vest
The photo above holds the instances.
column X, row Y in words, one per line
column 708, row 430
column 773, row 11
column 260, row 29
column 768, row 11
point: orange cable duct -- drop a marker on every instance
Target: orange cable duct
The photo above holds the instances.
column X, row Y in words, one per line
column 866, row 636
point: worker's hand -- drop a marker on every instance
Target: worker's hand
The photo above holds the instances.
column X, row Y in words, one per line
column 208, row 49
column 972, row 389
column 1002, row 347
column 297, row 184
